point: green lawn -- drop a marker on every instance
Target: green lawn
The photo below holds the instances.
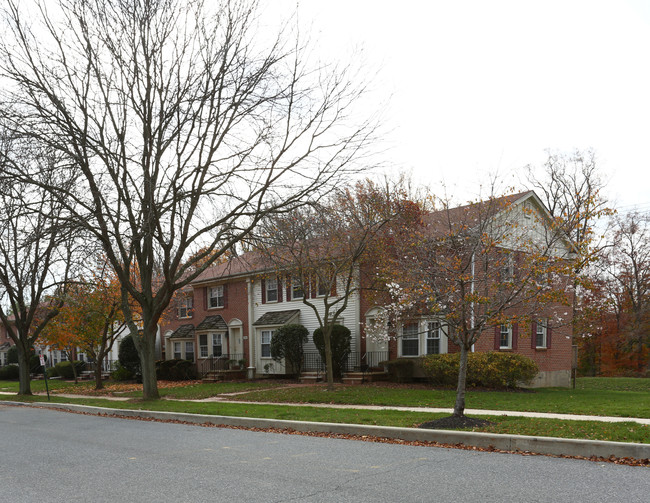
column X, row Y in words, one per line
column 593, row 430
column 625, row 397
column 588, row 400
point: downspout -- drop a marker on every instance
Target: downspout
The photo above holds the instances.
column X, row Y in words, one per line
column 251, row 339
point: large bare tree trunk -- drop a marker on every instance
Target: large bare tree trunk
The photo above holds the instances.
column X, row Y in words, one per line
column 145, row 343
column 24, row 387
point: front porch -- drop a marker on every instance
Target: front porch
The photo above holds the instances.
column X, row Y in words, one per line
column 357, row 368
column 224, row 367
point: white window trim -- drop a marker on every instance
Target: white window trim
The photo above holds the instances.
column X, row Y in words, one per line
column 411, row 337
column 437, row 335
column 222, row 297
column 203, row 348
column 180, row 350
column 541, row 324
column 214, row 336
column 186, row 306
column 193, row 352
column 263, row 332
column 297, row 285
column 503, row 329
column 276, row 290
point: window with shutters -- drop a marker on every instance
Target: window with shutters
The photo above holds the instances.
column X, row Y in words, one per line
column 505, row 340
column 216, row 297
column 271, row 290
column 540, row 334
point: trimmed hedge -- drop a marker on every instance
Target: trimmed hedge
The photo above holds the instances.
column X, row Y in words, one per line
column 122, row 374
column 287, row 343
column 9, row 373
column 340, row 340
column 400, row 370
column 490, row 370
column 175, row 370
column 128, row 357
column 64, row 369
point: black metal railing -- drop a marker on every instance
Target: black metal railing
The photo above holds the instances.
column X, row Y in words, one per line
column 354, row 362
column 231, row 361
column 106, row 365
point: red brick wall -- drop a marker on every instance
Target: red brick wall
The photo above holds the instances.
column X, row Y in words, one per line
column 236, row 307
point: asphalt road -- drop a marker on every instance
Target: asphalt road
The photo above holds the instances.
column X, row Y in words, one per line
column 53, row 456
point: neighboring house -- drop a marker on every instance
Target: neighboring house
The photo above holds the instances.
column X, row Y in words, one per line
column 232, row 310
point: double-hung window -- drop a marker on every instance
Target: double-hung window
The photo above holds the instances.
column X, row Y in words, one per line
column 271, row 290
column 216, row 296
column 433, row 338
column 185, row 306
column 297, row 291
column 203, row 345
column 217, row 348
column 505, row 339
column 177, row 351
column 267, row 335
column 540, row 334
column 189, row 351
column 410, row 339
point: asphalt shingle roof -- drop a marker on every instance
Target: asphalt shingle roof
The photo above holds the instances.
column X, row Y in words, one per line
column 215, row 322
column 183, row 332
column 277, row 317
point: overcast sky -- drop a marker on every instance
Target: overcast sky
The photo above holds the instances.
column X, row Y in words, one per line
column 480, row 87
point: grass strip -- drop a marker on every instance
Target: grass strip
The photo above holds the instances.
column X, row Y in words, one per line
column 554, row 400
column 590, row 430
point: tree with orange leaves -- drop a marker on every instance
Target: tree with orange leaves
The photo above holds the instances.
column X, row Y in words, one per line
column 491, row 263
column 91, row 320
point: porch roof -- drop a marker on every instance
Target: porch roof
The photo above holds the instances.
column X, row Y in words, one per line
column 183, row 332
column 277, row 317
column 215, row 322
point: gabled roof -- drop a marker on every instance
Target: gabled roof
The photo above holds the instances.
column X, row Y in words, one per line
column 183, row 332
column 439, row 221
column 277, row 318
column 240, row 266
column 215, row 322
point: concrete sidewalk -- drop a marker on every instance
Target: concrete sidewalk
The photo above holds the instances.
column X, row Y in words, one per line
column 431, row 410
column 469, row 412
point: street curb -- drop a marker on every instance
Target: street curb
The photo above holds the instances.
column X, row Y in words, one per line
column 523, row 443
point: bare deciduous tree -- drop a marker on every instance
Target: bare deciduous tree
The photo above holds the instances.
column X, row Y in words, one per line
column 184, row 127
column 320, row 249
column 36, row 254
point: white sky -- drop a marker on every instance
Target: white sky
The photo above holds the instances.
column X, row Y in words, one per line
column 478, row 87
